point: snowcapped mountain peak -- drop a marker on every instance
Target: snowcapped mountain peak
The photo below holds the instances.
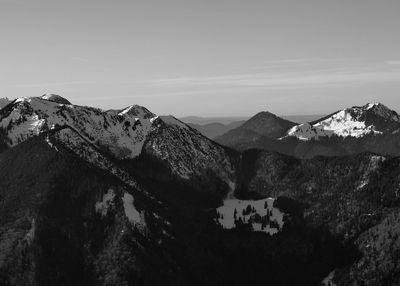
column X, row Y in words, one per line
column 357, row 121
column 383, row 111
column 55, row 98
column 122, row 135
column 369, row 106
column 137, row 111
column 376, row 108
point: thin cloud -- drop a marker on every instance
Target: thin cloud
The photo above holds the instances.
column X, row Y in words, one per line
column 283, row 80
column 54, row 84
column 323, row 77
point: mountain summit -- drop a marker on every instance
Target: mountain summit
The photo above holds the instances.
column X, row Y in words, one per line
column 261, row 128
column 267, row 124
column 357, row 121
column 55, row 98
column 372, row 127
column 122, row 134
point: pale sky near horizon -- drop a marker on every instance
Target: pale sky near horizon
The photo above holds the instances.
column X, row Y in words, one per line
column 204, row 57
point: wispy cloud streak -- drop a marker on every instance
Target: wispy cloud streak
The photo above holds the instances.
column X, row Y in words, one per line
column 319, row 76
column 54, row 84
column 328, row 77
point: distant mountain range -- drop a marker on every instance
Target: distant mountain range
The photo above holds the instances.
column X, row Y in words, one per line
column 213, row 130
column 213, row 127
column 208, row 120
column 126, row 197
column 372, row 127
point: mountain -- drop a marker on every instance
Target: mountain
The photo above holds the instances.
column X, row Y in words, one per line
column 261, row 130
column 72, row 216
column 122, row 134
column 370, row 119
column 126, row 197
column 207, row 120
column 66, row 222
column 369, row 128
column 55, row 98
column 213, row 130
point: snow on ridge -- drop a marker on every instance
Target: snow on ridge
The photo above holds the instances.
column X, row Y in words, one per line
column 137, row 111
column 371, row 105
column 55, row 98
column 261, row 214
column 124, row 137
column 341, row 124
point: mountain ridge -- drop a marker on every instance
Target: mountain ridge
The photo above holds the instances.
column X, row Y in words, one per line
column 78, row 209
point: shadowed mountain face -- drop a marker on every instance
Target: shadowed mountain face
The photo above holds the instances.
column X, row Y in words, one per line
column 263, row 128
column 268, row 124
column 124, row 197
column 208, row 120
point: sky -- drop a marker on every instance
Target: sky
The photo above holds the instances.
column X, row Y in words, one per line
column 204, row 57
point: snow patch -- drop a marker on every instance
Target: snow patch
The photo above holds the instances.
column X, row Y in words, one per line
column 21, row 99
column 55, row 98
column 51, row 144
column 362, row 184
column 130, row 211
column 341, row 124
column 260, row 214
column 371, row 105
column 153, row 119
column 137, row 111
column 107, row 202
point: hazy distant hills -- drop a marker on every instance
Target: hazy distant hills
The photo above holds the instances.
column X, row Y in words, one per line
column 259, row 131
column 213, row 130
column 207, row 120
column 213, row 127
